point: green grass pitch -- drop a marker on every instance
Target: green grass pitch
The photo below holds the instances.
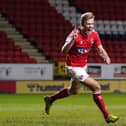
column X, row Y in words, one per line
column 79, row 110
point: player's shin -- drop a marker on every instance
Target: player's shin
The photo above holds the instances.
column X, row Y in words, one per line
column 60, row 94
column 100, row 103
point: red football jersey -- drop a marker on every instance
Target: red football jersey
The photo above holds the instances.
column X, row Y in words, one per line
column 77, row 55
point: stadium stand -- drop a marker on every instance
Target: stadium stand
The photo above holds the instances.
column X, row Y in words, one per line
column 38, row 21
column 104, row 9
column 46, row 24
column 11, row 53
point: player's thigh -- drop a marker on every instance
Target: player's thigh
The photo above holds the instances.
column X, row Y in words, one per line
column 92, row 84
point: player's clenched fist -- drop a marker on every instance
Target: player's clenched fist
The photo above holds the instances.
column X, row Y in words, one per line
column 70, row 40
column 75, row 33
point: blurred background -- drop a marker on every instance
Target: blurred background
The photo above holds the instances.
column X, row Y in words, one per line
column 33, row 31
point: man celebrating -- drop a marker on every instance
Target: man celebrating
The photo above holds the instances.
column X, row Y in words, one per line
column 77, row 46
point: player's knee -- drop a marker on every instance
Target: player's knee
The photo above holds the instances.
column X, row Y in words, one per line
column 74, row 92
column 98, row 87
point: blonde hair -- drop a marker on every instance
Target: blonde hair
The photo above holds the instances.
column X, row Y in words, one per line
column 86, row 16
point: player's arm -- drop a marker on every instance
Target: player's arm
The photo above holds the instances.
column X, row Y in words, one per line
column 69, row 42
column 103, row 54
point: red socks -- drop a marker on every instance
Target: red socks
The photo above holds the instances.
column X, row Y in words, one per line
column 100, row 103
column 60, row 94
column 96, row 96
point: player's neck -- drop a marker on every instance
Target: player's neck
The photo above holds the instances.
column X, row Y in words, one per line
column 84, row 32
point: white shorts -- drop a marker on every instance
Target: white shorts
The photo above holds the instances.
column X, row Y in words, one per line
column 78, row 73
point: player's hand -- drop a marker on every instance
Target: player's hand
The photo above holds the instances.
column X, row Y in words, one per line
column 108, row 61
column 75, row 33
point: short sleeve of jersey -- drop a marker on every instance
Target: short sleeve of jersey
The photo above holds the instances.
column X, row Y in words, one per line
column 97, row 39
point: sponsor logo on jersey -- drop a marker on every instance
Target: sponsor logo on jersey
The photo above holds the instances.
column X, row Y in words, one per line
column 81, row 50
